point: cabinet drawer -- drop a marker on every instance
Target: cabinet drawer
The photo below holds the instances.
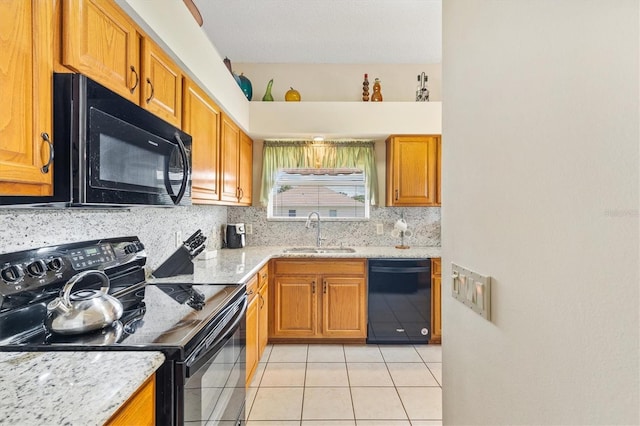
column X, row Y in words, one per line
column 317, row 266
column 252, row 288
column 436, row 266
column 263, row 276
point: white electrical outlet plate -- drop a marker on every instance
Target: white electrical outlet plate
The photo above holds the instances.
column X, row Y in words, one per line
column 379, row 228
column 472, row 290
column 178, row 238
column 248, row 228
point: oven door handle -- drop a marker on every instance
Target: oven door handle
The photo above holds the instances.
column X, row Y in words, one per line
column 197, row 360
column 399, row 270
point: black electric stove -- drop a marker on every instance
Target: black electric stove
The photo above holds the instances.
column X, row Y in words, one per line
column 199, row 328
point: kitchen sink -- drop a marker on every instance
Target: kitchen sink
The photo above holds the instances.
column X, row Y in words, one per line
column 312, row 250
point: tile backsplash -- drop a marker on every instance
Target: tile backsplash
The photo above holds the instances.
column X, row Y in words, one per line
column 424, row 223
column 21, row 229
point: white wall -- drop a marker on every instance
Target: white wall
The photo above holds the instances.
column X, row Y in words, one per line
column 540, row 191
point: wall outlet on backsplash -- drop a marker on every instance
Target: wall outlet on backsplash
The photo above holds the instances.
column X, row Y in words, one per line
column 379, row 228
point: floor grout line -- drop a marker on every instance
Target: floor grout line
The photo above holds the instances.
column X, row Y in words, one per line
column 349, row 384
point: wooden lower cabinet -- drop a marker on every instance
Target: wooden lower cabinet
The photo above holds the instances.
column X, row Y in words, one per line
column 257, row 335
column 318, row 299
column 436, row 300
column 140, row 409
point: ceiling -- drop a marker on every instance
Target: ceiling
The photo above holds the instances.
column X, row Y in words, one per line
column 325, row 31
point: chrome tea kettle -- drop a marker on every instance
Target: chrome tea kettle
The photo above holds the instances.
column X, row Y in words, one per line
column 85, row 310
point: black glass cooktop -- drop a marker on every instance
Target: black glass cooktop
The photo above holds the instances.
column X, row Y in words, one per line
column 168, row 316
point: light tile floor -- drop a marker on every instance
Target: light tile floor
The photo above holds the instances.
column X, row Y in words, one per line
column 347, row 385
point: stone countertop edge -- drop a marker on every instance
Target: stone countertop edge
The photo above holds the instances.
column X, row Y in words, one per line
column 72, row 388
column 237, row 266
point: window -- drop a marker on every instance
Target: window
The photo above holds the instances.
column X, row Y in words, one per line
column 335, row 193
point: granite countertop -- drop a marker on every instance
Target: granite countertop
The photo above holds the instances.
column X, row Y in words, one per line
column 235, row 266
column 70, row 388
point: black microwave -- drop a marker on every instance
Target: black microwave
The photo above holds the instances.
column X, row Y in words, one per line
column 110, row 152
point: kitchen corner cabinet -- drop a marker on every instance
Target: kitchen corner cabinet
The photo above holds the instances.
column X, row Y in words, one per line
column 102, row 42
column 318, row 299
column 236, row 157
column 26, row 65
column 257, row 321
column 201, row 119
column 140, row 409
column 413, row 170
column 436, row 300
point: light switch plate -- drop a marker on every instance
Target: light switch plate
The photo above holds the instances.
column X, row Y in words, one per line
column 472, row 290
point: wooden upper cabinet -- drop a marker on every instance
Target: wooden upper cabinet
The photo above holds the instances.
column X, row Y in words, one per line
column 161, row 83
column 245, row 180
column 229, row 164
column 412, row 170
column 201, row 119
column 26, row 66
column 101, row 42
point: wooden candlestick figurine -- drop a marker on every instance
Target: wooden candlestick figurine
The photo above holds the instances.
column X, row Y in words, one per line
column 365, row 88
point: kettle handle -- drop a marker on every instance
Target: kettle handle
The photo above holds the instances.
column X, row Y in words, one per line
column 66, row 290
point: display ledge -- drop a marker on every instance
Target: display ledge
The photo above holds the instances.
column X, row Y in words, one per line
column 375, row 120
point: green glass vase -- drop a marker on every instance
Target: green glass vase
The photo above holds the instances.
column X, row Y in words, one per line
column 267, row 95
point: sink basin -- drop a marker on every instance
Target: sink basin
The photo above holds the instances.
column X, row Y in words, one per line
column 312, row 250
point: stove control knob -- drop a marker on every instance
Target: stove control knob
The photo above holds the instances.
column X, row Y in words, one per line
column 12, row 273
column 54, row 264
column 37, row 268
column 133, row 248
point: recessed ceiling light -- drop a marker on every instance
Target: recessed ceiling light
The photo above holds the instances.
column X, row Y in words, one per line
column 318, row 138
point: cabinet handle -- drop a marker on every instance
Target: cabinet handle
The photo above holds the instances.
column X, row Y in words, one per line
column 261, row 300
column 324, row 287
column 313, row 287
column 152, row 91
column 133, row 70
column 397, row 195
column 241, row 192
column 45, row 137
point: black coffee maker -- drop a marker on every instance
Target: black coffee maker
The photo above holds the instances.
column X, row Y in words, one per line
column 235, row 235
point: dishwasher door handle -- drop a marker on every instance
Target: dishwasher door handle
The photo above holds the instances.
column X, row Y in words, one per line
column 400, row 270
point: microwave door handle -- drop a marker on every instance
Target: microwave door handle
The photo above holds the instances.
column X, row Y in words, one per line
column 187, row 171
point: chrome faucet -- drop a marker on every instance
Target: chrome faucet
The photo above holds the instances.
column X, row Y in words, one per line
column 308, row 225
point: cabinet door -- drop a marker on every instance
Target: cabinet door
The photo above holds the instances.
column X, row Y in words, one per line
column 263, row 319
column 26, row 66
column 229, row 164
column 245, row 182
column 412, row 170
column 295, row 306
column 252, row 339
column 162, row 83
column 140, row 409
column 436, row 301
column 343, row 307
column 201, row 119
column 100, row 41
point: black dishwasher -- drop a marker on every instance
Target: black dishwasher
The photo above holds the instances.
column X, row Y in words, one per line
column 399, row 301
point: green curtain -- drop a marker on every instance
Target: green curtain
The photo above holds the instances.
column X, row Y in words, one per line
column 278, row 155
